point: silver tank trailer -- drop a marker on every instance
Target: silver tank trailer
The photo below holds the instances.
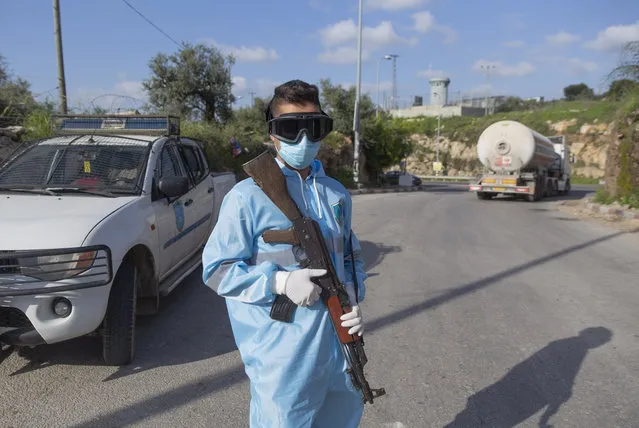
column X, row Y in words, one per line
column 508, row 146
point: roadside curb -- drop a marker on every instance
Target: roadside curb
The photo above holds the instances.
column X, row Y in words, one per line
column 613, row 211
column 387, row 190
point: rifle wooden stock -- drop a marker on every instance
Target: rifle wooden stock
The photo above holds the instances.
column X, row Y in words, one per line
column 336, row 310
column 281, row 237
column 267, row 174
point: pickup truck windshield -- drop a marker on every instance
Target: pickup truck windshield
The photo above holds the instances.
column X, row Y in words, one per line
column 111, row 164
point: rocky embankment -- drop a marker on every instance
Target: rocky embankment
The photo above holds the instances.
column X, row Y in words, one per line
column 588, row 142
column 10, row 141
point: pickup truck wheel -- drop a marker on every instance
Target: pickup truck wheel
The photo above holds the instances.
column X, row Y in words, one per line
column 118, row 334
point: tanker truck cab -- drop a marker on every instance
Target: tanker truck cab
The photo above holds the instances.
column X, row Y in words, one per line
column 520, row 162
column 97, row 223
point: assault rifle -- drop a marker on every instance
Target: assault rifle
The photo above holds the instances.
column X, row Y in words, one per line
column 310, row 252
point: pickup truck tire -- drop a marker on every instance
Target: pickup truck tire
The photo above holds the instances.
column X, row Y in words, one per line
column 118, row 333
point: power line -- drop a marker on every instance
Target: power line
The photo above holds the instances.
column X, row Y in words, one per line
column 149, row 21
column 45, row 92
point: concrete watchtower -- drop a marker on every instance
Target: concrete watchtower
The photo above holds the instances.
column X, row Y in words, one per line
column 439, row 91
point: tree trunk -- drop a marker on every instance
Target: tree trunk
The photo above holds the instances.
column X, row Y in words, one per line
column 209, row 113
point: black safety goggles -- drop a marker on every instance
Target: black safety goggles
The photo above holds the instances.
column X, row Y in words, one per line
column 289, row 127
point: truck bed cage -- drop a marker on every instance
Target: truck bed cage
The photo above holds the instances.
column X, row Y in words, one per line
column 115, row 125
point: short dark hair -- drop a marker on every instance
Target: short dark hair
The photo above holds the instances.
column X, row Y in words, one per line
column 293, row 92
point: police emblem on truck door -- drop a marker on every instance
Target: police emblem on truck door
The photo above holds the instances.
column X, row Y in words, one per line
column 178, row 208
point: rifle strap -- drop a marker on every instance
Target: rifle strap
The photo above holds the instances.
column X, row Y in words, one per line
column 356, row 286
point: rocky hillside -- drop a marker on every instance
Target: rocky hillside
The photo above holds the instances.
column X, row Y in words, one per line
column 622, row 170
column 9, row 141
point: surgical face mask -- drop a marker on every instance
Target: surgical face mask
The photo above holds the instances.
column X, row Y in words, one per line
column 299, row 155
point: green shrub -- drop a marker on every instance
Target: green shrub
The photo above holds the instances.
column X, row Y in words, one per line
column 603, row 197
column 345, row 176
column 37, row 124
column 578, row 179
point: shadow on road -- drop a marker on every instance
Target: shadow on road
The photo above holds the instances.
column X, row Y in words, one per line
column 575, row 194
column 471, row 287
column 192, row 325
column 167, row 401
column 373, row 254
column 545, row 380
column 208, row 385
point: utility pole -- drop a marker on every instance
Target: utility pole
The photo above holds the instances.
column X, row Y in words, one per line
column 439, row 116
column 58, row 42
column 251, row 93
column 357, row 96
column 230, row 94
column 377, row 103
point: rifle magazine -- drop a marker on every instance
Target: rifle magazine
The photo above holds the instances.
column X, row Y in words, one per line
column 283, row 309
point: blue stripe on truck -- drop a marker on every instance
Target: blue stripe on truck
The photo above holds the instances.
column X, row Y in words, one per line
column 186, row 231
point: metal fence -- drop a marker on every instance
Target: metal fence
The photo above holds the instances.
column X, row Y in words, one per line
column 453, row 178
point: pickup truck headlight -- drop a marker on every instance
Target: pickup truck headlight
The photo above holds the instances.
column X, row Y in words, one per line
column 58, row 266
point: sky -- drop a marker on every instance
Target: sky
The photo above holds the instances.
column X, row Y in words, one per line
column 531, row 48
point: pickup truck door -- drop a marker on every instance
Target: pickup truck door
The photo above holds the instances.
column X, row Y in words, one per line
column 203, row 192
column 175, row 216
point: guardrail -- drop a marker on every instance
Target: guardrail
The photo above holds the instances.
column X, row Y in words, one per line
column 447, row 178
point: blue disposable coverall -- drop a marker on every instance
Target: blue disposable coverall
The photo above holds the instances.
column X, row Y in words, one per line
column 296, row 370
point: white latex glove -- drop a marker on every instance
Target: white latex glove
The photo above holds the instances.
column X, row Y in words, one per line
column 297, row 285
column 353, row 319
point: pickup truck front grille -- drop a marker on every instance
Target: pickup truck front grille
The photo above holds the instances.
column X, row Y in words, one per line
column 8, row 265
column 14, row 318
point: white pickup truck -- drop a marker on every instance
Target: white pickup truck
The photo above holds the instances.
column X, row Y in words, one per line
column 96, row 223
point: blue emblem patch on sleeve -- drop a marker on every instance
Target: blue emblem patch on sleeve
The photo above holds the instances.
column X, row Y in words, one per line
column 338, row 212
column 178, row 208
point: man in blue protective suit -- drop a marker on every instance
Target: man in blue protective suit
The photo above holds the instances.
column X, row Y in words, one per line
column 297, row 370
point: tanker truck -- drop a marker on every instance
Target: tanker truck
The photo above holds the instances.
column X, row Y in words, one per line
column 521, row 162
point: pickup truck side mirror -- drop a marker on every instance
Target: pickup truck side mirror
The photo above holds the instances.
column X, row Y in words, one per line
column 172, row 187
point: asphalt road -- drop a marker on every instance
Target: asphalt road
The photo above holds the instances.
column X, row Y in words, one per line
column 478, row 314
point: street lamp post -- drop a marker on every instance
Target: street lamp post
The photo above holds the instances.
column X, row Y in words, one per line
column 394, row 58
column 357, row 97
column 439, row 115
column 487, row 68
column 386, row 57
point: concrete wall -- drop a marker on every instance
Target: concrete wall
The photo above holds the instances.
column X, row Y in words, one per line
column 434, row 111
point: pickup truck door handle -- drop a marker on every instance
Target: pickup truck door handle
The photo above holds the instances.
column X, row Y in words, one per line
column 210, row 190
column 188, row 202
